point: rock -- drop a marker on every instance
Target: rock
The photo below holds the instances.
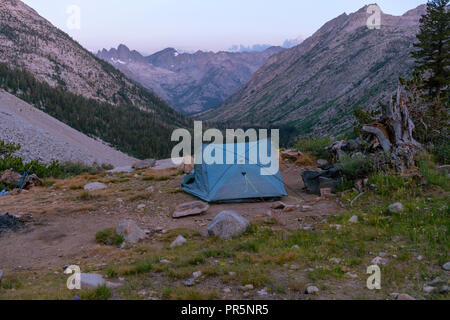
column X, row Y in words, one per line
column 322, row 164
column 179, row 241
column 396, row 207
column 1, row 274
column 248, row 287
column 311, row 290
column 351, row 275
column 141, row 207
column 444, row 289
column 316, row 180
column 336, row 226
column 197, row 274
column 130, row 231
column 278, row 205
column 428, row 289
column 290, row 155
column 10, row 177
column 189, row 282
column 350, row 145
column 420, row 258
column 404, row 296
column 379, row 260
column 289, row 208
column 437, row 282
column 95, row 186
column 359, row 185
column 227, row 290
column 446, row 266
column 445, row 170
column 295, row 247
column 353, row 219
column 263, row 292
column 325, row 192
column 144, row 164
column 306, row 208
column 228, row 224
column 190, row 209
column 150, row 189
column 32, row 181
column 335, row 260
column 91, row 280
column 165, row 261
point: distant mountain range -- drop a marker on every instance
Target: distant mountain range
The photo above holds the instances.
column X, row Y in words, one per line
column 44, row 66
column 287, row 44
column 189, row 82
column 315, row 86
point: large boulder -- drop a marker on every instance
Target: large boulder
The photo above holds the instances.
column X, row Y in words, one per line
column 130, row 232
column 10, row 177
column 190, row 209
column 228, row 224
column 32, row 181
column 144, row 164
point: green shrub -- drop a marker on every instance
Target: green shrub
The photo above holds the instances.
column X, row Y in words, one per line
column 315, row 146
column 109, row 237
column 355, row 167
column 428, row 169
column 100, row 293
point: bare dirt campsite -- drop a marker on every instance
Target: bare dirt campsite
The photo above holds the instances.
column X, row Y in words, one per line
column 303, row 248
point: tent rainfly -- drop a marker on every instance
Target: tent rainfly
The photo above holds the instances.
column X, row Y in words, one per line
column 247, row 178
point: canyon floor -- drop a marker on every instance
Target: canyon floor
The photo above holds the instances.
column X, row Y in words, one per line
column 281, row 254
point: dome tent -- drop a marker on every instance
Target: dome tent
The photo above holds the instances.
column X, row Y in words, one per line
column 241, row 181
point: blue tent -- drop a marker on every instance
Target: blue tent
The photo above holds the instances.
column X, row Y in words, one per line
column 243, row 180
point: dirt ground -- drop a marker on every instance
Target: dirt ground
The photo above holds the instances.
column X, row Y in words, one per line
column 62, row 232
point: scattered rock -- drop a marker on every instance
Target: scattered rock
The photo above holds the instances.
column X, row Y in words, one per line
column 428, row 289
column 335, row 260
column 190, row 209
column 95, row 186
column 228, row 224
column 164, row 261
column 227, row 290
column 322, row 164
column 150, row 189
column 248, row 287
column 295, row 247
column 141, row 207
column 311, row 290
column 396, row 207
column 379, row 260
column 404, row 296
column 130, row 231
column 179, row 241
column 144, row 164
column 91, row 280
column 263, row 292
column 354, row 219
column 420, row 258
column 306, row 208
column 189, row 282
column 278, row 205
column 437, row 282
column 446, row 266
column 10, row 177
column 351, row 275
column 197, row 274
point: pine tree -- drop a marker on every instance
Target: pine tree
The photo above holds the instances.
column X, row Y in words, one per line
column 433, row 49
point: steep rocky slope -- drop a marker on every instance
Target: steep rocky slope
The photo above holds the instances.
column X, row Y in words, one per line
column 316, row 85
column 189, row 82
column 44, row 138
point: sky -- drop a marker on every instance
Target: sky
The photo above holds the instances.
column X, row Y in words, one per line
column 189, row 25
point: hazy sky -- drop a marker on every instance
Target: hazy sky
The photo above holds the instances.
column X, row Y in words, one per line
column 152, row 25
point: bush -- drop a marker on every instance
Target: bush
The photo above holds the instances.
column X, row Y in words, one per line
column 109, row 237
column 428, row 169
column 355, row 167
column 315, row 146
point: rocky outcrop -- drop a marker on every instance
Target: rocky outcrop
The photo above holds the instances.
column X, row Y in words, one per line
column 315, row 86
column 189, row 82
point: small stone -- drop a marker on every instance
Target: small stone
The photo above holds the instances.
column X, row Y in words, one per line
column 95, row 186
column 428, row 289
column 232, row 273
column 141, row 206
column 295, row 247
column 325, row 192
column 278, row 205
column 164, row 261
column 308, row 227
column 336, row 226
column 446, row 266
column 197, row 274
column 263, row 292
column 189, row 282
column 248, row 287
column 228, row 224
column 179, row 241
column 150, row 189
column 190, row 209
column 437, row 282
column 396, row 207
column 144, row 164
column 444, row 289
column 404, row 296
column 351, row 275
column 335, row 260
column 353, row 219
column 311, row 290
column 306, row 208
column 322, row 163
column 227, row 290
column 379, row 260
column 268, row 213
column 420, row 258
